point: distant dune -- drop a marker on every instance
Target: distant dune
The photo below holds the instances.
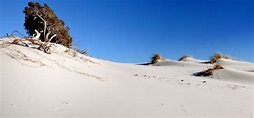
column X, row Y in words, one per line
column 69, row 84
column 191, row 59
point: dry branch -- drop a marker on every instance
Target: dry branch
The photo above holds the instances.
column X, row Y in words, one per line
column 37, row 35
column 45, row 25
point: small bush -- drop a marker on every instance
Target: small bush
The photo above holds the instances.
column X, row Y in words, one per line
column 156, row 58
column 209, row 71
column 215, row 57
column 217, row 66
column 183, row 57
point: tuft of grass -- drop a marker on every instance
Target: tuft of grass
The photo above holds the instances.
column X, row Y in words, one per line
column 183, row 57
column 75, row 49
column 83, row 51
column 217, row 67
column 217, row 55
column 156, row 58
column 209, row 71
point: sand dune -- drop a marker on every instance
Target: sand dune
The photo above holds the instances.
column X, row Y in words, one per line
column 179, row 63
column 240, row 65
column 191, row 59
column 64, row 84
column 234, row 75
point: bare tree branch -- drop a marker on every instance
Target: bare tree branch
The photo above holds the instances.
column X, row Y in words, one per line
column 45, row 26
column 37, row 35
column 52, row 37
column 47, row 36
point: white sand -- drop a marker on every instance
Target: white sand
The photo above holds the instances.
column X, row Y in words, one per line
column 36, row 84
column 191, row 59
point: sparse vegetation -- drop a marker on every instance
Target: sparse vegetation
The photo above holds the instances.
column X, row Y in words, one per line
column 74, row 50
column 156, row 58
column 217, row 66
column 83, row 51
column 217, row 56
column 228, row 57
column 183, row 57
column 209, row 71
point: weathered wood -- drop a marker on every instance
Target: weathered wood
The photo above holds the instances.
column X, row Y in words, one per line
column 38, row 34
column 45, row 25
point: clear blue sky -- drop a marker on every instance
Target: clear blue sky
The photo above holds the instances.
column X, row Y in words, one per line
column 132, row 31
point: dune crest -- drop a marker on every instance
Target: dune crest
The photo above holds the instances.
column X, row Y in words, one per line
column 191, row 59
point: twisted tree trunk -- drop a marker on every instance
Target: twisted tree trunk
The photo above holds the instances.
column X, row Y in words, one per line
column 45, row 26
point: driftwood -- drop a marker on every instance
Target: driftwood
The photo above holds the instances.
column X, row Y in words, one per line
column 45, row 46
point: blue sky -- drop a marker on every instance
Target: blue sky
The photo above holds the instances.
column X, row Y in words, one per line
column 131, row 31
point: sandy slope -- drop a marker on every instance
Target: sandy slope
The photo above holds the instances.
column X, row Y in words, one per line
column 35, row 84
column 191, row 59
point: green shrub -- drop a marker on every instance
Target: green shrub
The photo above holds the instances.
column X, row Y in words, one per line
column 35, row 17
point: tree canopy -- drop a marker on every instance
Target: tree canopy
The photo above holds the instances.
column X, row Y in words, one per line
column 44, row 20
